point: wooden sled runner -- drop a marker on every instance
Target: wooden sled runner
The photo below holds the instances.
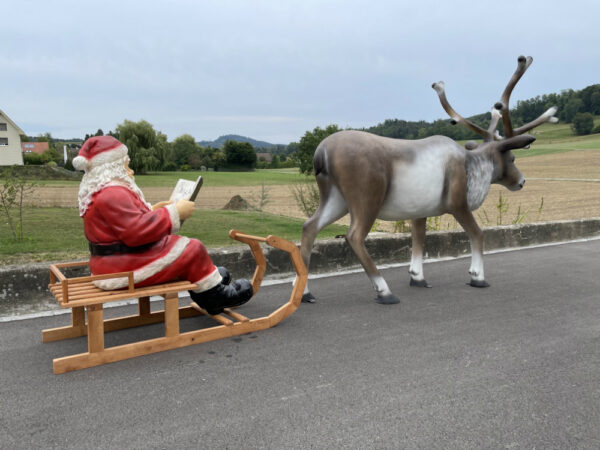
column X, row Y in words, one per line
column 81, row 295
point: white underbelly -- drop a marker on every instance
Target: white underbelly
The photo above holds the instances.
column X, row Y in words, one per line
column 414, row 193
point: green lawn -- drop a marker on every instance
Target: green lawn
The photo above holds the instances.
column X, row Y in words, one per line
column 57, row 233
column 168, row 179
column 589, row 142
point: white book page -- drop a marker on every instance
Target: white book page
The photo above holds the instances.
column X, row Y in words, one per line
column 183, row 190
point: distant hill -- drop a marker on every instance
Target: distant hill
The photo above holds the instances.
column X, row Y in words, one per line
column 220, row 141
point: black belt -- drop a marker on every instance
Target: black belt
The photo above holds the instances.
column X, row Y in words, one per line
column 115, row 249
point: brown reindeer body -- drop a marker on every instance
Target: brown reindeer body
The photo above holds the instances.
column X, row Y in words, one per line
column 373, row 177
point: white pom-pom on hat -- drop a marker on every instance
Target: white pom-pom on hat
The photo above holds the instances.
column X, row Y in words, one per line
column 99, row 150
column 79, row 162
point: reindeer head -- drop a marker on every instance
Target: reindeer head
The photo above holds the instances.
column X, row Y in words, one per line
column 500, row 147
column 506, row 172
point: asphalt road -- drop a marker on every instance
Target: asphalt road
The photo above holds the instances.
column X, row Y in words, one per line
column 516, row 365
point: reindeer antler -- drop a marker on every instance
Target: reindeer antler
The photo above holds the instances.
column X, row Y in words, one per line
column 523, row 64
column 457, row 118
column 500, row 109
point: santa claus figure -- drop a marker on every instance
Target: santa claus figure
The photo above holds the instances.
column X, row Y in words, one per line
column 126, row 233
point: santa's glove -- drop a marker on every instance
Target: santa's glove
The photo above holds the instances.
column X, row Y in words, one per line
column 225, row 275
column 224, row 296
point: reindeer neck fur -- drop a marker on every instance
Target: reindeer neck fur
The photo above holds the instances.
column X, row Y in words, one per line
column 480, row 171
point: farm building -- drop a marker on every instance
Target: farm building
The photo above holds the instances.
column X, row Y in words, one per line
column 35, row 147
column 10, row 142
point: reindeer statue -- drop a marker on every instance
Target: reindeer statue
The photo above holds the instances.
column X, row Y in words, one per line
column 374, row 177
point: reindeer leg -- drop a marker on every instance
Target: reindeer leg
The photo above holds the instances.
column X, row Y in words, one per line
column 356, row 239
column 332, row 208
column 467, row 221
column 417, row 229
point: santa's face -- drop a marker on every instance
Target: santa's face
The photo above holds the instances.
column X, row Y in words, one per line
column 129, row 170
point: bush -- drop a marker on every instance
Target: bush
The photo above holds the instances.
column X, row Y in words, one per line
column 185, row 168
column 288, row 163
column 306, row 196
column 583, row 123
column 51, row 164
column 32, row 159
column 170, row 166
column 51, row 155
column 262, row 165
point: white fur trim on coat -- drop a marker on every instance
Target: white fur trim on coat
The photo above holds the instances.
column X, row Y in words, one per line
column 174, row 215
column 208, row 282
column 148, row 270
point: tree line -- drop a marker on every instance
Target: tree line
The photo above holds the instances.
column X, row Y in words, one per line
column 573, row 106
column 150, row 150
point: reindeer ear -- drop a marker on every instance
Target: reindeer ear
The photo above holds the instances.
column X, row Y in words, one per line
column 515, row 142
column 471, row 145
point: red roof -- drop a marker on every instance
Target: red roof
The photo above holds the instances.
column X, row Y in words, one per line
column 34, row 147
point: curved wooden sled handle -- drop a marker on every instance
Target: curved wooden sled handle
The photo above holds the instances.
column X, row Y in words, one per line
column 261, row 265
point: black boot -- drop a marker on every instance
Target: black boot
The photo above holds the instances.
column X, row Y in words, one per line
column 224, row 274
column 224, row 296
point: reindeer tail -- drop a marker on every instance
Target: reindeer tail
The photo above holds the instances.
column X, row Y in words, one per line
column 320, row 160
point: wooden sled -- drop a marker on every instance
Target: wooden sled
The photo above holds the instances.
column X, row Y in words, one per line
column 81, row 295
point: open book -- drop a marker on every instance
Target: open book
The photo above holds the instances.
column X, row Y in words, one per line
column 186, row 190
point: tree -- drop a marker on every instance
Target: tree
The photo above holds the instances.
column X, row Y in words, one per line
column 595, row 102
column 308, row 144
column 185, row 147
column 291, row 148
column 13, row 191
column 275, row 162
column 573, row 106
column 583, row 123
column 240, row 154
column 99, row 132
column 140, row 139
column 216, row 157
column 164, row 150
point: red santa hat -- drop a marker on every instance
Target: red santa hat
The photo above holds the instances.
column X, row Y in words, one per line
column 99, row 150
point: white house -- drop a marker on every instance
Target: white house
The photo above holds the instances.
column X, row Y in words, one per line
column 10, row 142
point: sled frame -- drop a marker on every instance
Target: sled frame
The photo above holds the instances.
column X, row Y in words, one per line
column 87, row 318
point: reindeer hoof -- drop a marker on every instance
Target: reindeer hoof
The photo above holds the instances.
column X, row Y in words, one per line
column 389, row 299
column 479, row 283
column 419, row 283
column 308, row 298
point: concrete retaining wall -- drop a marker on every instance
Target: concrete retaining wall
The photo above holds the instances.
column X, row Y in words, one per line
column 23, row 289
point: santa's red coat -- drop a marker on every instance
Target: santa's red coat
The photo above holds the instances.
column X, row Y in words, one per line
column 117, row 215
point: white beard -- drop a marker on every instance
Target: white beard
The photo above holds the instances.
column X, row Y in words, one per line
column 109, row 174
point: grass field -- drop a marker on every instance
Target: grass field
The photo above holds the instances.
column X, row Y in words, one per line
column 57, row 233
column 268, row 177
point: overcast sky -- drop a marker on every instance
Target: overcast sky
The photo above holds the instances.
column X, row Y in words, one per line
column 272, row 70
